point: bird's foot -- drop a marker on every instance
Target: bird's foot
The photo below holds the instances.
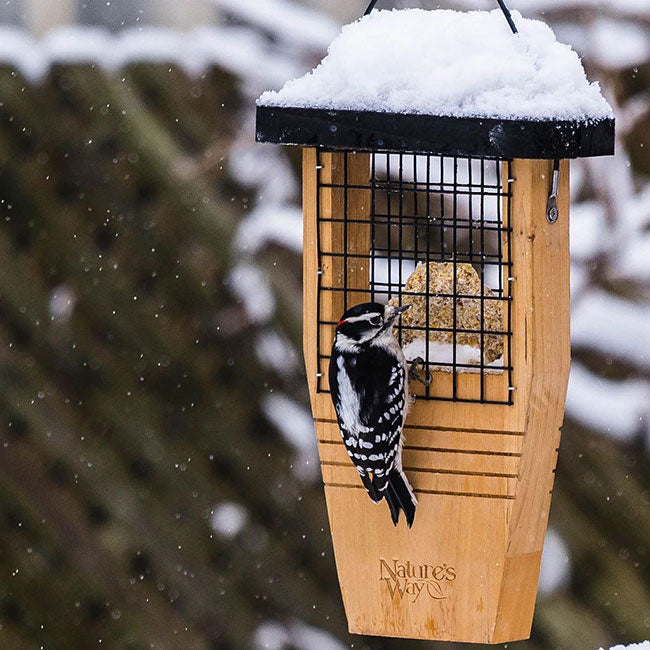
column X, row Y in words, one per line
column 414, row 375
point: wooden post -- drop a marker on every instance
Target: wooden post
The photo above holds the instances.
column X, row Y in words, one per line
column 468, row 569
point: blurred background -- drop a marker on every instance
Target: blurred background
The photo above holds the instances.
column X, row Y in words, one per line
column 159, row 483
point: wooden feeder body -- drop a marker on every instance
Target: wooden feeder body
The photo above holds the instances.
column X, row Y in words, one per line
column 483, row 473
column 481, row 463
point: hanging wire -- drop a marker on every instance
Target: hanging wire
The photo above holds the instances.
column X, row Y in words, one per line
column 502, row 4
column 371, row 6
column 506, row 13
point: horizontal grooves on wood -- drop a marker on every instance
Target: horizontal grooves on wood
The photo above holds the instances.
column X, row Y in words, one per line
column 440, row 492
column 434, row 460
column 424, row 428
column 430, row 481
column 437, row 461
column 432, row 471
column 442, row 450
column 442, row 440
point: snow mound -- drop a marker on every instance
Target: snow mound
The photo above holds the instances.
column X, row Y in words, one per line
column 448, row 63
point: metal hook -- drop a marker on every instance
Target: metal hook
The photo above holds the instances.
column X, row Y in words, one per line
column 552, row 212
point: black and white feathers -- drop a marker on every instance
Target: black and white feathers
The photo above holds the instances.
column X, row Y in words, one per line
column 369, row 385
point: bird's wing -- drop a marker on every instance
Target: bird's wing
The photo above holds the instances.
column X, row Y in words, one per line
column 378, row 379
column 381, row 410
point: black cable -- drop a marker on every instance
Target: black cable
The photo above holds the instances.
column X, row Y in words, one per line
column 371, row 6
column 502, row 4
column 506, row 13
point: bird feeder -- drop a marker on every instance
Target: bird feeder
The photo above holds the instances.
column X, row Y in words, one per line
column 449, row 193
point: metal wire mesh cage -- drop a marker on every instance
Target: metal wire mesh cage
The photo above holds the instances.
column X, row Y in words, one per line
column 437, row 237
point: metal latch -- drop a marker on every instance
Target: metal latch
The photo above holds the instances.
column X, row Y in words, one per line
column 552, row 212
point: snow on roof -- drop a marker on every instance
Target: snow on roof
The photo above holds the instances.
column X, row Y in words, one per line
column 466, row 64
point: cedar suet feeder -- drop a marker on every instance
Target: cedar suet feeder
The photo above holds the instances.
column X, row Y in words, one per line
column 430, row 183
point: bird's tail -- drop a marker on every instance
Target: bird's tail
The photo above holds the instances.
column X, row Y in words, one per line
column 400, row 496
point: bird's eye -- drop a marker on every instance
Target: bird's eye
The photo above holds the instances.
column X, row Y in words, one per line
column 375, row 320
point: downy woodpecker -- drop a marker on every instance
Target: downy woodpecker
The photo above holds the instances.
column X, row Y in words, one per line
column 369, row 384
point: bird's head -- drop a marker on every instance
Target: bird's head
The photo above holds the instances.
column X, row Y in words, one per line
column 366, row 322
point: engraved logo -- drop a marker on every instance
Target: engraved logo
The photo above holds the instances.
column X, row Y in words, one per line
column 414, row 581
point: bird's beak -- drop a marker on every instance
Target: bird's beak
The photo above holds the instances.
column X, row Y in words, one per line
column 396, row 313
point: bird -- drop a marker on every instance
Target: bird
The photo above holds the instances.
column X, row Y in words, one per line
column 368, row 380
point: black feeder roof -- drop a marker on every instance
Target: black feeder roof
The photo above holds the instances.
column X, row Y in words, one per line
column 445, row 136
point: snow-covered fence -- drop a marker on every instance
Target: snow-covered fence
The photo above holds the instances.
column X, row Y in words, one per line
column 39, row 18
